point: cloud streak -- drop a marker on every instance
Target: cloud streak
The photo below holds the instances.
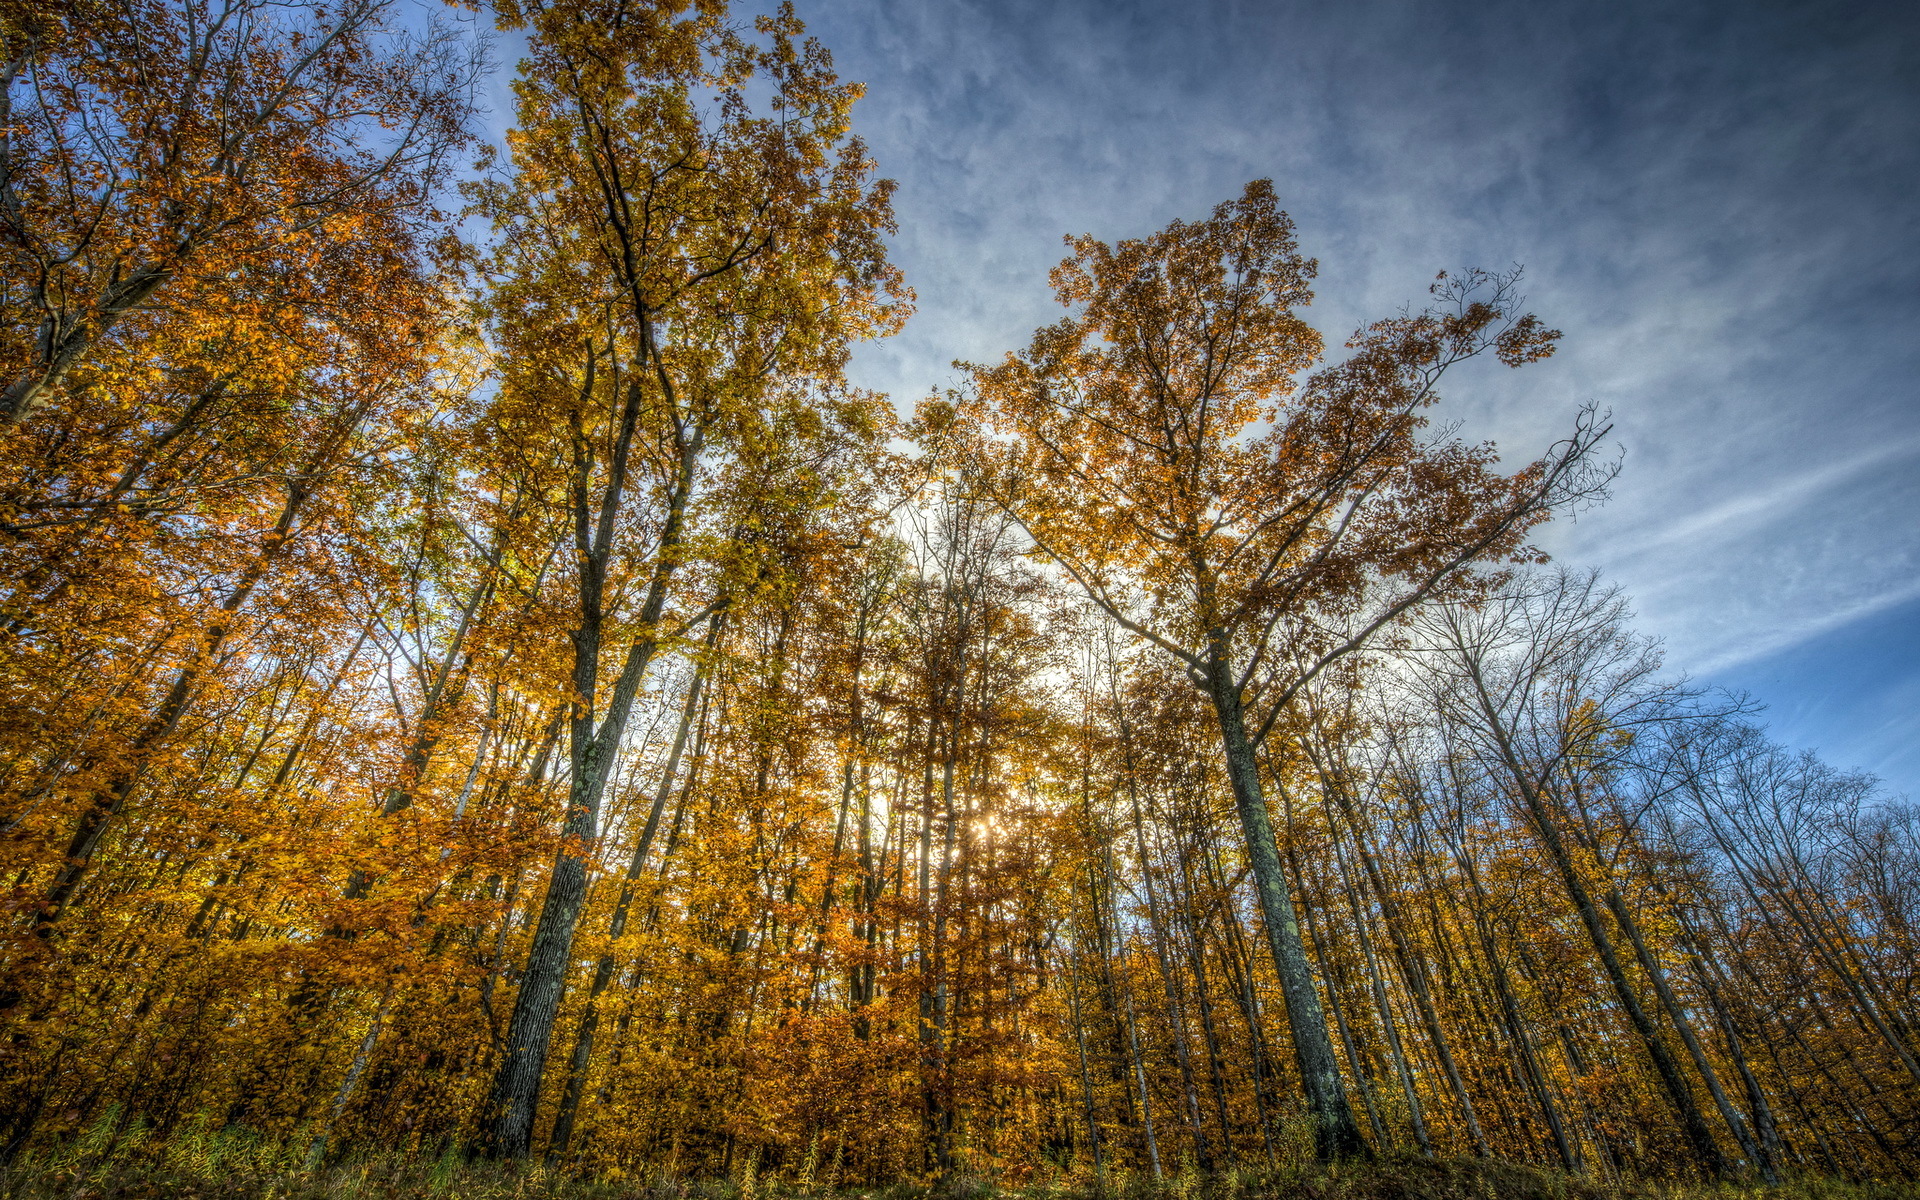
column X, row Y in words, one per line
column 1714, row 202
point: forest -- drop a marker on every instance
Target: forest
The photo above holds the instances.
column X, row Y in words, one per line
column 480, row 685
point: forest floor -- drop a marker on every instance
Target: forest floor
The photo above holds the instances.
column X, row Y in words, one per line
column 164, row 1176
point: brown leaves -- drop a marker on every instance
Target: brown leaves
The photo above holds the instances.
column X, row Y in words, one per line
column 1161, row 446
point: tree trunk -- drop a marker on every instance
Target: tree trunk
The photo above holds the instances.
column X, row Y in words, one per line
column 516, row 1084
column 1692, row 1124
column 1677, row 1016
column 1336, row 1136
column 108, row 802
column 603, row 970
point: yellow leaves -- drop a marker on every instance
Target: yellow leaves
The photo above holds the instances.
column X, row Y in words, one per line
column 310, row 482
column 1129, row 439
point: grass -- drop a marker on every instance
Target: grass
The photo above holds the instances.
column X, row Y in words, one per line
column 230, row 1164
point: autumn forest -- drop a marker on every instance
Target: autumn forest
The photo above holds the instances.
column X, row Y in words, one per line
column 479, row 680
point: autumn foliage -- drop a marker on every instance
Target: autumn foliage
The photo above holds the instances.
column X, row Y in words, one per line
column 478, row 678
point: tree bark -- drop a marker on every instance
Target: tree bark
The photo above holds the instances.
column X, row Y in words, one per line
column 1336, row 1136
column 516, row 1085
column 603, row 970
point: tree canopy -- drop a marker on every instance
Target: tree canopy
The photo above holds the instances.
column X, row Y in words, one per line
column 480, row 679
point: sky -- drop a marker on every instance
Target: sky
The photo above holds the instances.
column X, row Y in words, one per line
column 1714, row 201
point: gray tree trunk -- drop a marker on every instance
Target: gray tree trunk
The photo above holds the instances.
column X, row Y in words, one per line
column 1336, row 1135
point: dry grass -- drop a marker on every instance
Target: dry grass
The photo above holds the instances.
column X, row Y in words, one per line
column 198, row 1164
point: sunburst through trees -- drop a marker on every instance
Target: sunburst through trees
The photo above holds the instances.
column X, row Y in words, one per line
column 515, row 695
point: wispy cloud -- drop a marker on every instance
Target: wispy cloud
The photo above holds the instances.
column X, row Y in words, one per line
column 1768, row 504
column 1779, row 635
column 1714, row 201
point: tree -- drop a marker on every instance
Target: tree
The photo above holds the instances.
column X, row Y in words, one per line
column 663, row 275
column 1128, row 441
column 217, row 306
column 355, row 656
column 1547, row 677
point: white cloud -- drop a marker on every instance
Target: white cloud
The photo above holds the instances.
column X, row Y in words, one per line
column 1715, row 204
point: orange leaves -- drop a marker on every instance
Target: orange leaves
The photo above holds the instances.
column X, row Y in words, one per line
column 1161, row 447
column 215, row 286
column 352, row 643
column 176, row 149
column 1197, row 311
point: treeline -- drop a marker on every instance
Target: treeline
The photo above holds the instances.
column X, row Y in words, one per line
column 507, row 692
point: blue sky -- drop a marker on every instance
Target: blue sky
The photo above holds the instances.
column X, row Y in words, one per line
column 1715, row 201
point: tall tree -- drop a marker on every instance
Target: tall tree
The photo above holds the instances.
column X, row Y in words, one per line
column 664, row 263
column 1159, row 447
